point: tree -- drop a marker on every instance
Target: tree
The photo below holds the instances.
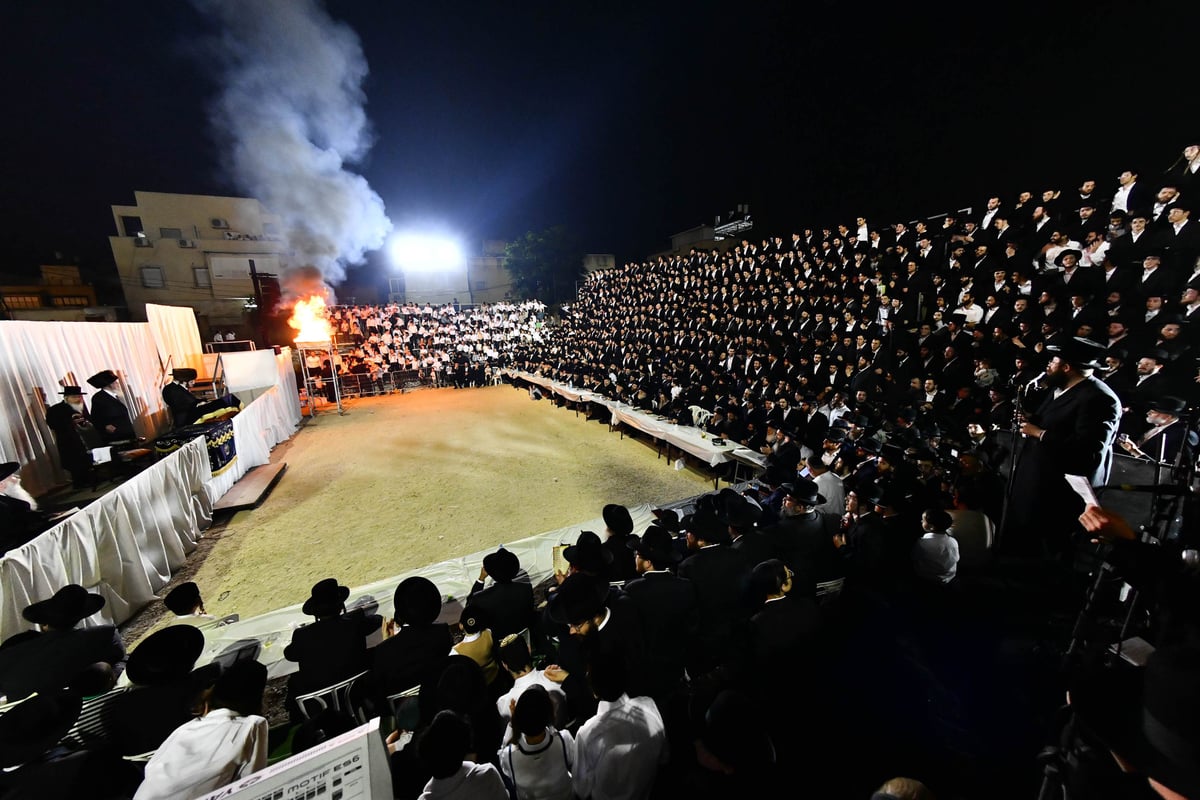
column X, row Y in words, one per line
column 545, row 264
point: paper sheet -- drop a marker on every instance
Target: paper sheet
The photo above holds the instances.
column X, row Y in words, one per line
column 1083, row 488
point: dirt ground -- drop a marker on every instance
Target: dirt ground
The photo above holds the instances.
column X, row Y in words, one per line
column 406, row 480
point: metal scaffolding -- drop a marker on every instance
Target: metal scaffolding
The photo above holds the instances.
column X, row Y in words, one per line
column 314, row 383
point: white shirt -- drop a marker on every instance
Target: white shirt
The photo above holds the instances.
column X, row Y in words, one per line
column 471, row 782
column 205, row 754
column 540, row 771
column 522, row 683
column 935, row 557
column 974, row 314
column 1121, row 198
column 618, row 751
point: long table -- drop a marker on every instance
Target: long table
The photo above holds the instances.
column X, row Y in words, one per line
column 123, row 546
column 126, row 544
column 691, row 440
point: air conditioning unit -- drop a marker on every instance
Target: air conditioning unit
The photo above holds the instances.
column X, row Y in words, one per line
column 187, row 243
column 142, row 241
column 219, row 223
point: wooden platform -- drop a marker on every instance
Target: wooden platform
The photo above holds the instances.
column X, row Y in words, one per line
column 252, row 489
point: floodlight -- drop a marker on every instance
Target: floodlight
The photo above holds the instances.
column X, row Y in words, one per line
column 423, row 253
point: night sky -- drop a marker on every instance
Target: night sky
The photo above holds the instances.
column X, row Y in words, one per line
column 625, row 124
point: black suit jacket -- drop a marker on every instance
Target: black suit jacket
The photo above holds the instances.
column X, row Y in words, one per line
column 108, row 410
column 50, row 659
column 508, row 606
column 1080, row 428
column 720, row 575
column 407, row 659
column 667, row 606
column 73, row 451
column 181, row 402
column 330, row 650
column 783, row 633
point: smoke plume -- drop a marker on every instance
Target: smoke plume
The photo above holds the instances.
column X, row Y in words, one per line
column 291, row 117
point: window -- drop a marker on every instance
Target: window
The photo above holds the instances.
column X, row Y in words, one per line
column 200, row 278
column 71, row 302
column 152, row 278
column 170, row 233
column 22, row 301
column 132, row 226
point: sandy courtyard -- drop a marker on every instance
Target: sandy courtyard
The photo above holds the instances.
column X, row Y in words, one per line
column 406, row 480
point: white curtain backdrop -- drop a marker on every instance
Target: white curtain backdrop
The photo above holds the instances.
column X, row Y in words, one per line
column 37, row 358
column 176, row 336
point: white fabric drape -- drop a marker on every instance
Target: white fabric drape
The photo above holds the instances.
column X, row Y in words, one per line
column 124, row 546
column 176, row 336
column 36, row 358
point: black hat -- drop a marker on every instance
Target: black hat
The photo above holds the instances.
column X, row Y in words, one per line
column 326, row 597
column 416, row 601
column 1149, row 717
column 183, row 599
column 580, row 597
column 740, row 512
column 804, row 491
column 70, row 390
column 706, row 526
column 241, row 686
column 165, row 655
column 1169, row 405
column 835, row 435
column 587, row 553
column 617, row 519
column 1069, row 251
column 103, row 378
column 893, row 454
column 667, row 518
column 8, row 468
column 1157, row 354
column 1082, row 353
column 473, row 619
column 868, row 493
column 656, row 545
column 869, row 444
column 184, row 374
column 64, row 610
column 32, row 727
column 503, row 565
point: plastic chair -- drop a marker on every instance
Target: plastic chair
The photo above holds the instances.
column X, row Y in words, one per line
column 336, row 697
column 700, row 416
column 405, row 708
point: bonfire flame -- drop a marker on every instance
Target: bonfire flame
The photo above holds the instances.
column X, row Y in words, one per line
column 308, row 318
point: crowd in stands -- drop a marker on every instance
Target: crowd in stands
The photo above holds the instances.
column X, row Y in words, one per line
column 918, row 333
column 448, row 345
column 811, row 633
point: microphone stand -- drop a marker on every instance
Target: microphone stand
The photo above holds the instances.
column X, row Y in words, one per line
column 1015, row 456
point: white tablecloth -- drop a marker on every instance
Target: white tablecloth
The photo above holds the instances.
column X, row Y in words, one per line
column 257, row 428
column 692, row 441
column 123, row 546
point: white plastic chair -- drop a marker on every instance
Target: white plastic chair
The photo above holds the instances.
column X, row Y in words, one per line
column 336, row 697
